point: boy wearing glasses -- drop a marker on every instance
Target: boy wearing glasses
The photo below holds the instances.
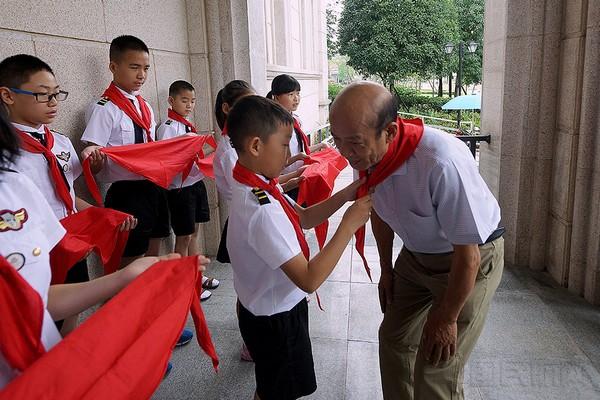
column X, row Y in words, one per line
column 30, row 94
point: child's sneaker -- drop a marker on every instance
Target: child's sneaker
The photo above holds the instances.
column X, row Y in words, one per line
column 168, row 371
column 245, row 354
column 185, row 338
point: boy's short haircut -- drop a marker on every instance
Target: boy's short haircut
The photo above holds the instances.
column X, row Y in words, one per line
column 121, row 44
column 17, row 70
column 179, row 86
column 255, row 116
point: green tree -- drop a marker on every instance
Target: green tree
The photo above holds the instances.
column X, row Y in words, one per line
column 392, row 39
column 470, row 23
column 332, row 19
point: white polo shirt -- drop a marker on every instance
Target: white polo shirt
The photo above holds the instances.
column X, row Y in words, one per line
column 260, row 239
column 437, row 198
column 172, row 129
column 224, row 161
column 28, row 231
column 107, row 125
column 36, row 168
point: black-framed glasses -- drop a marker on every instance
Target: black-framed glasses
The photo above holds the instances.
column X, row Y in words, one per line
column 61, row 95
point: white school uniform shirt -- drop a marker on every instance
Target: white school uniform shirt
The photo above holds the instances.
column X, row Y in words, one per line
column 107, row 125
column 171, row 129
column 224, row 161
column 295, row 148
column 28, row 231
column 437, row 198
column 36, row 168
column 260, row 239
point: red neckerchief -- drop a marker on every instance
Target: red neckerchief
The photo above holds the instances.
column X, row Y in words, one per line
column 300, row 132
column 176, row 117
column 249, row 178
column 158, row 161
column 120, row 355
column 32, row 145
column 118, row 98
column 323, row 167
column 224, row 131
column 95, row 229
column 22, row 313
column 402, row 147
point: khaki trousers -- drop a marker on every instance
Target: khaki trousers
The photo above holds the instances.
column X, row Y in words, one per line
column 420, row 281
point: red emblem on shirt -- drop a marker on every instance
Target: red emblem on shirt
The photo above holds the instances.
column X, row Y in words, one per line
column 12, row 220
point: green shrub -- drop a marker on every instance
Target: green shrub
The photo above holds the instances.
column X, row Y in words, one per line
column 333, row 90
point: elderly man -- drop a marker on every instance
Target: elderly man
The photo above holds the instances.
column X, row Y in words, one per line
column 427, row 190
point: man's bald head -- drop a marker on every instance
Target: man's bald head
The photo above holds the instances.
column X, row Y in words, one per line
column 371, row 102
column 359, row 116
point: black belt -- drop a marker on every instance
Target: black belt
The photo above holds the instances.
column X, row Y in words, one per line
column 495, row 235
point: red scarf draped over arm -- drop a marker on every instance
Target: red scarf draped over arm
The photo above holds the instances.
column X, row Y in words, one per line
column 96, row 229
column 117, row 354
column 322, row 169
column 118, row 98
column 158, row 161
column 402, row 147
column 303, row 136
column 176, row 117
column 32, row 145
column 22, row 312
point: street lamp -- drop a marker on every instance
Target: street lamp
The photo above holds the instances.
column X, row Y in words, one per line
column 471, row 48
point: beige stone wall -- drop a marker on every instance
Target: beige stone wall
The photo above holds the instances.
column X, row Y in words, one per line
column 540, row 87
column 207, row 42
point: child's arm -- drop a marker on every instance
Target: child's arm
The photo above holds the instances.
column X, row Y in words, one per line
column 315, row 215
column 309, row 275
column 292, row 180
column 81, row 204
column 70, row 299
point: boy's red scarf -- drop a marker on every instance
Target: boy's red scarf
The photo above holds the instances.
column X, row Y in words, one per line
column 158, row 161
column 402, row 147
column 95, row 229
column 32, row 145
column 176, row 117
column 22, row 313
column 322, row 169
column 305, row 141
column 118, row 98
column 118, row 355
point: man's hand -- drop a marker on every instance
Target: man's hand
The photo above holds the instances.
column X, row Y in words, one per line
column 386, row 288
column 438, row 342
column 97, row 157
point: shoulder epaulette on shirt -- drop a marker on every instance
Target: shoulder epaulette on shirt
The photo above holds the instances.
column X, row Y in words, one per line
column 103, row 101
column 169, row 122
column 261, row 196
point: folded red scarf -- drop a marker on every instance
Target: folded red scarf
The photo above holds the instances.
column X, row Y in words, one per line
column 176, row 117
column 22, row 313
column 402, row 147
column 96, row 229
column 32, row 145
column 144, row 121
column 158, row 161
column 305, row 141
column 121, row 351
column 322, row 169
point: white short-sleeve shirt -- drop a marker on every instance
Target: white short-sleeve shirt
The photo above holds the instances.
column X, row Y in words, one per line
column 107, row 125
column 28, row 231
column 437, row 198
column 295, row 148
column 260, row 239
column 172, row 129
column 224, row 161
column 36, row 168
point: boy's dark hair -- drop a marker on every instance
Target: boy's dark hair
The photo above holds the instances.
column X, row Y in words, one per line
column 230, row 94
column 178, row 86
column 121, row 44
column 17, row 70
column 255, row 116
column 9, row 142
column 283, row 84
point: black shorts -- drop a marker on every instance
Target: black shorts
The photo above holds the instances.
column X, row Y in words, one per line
column 280, row 347
column 222, row 253
column 148, row 203
column 182, row 207
column 202, row 208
